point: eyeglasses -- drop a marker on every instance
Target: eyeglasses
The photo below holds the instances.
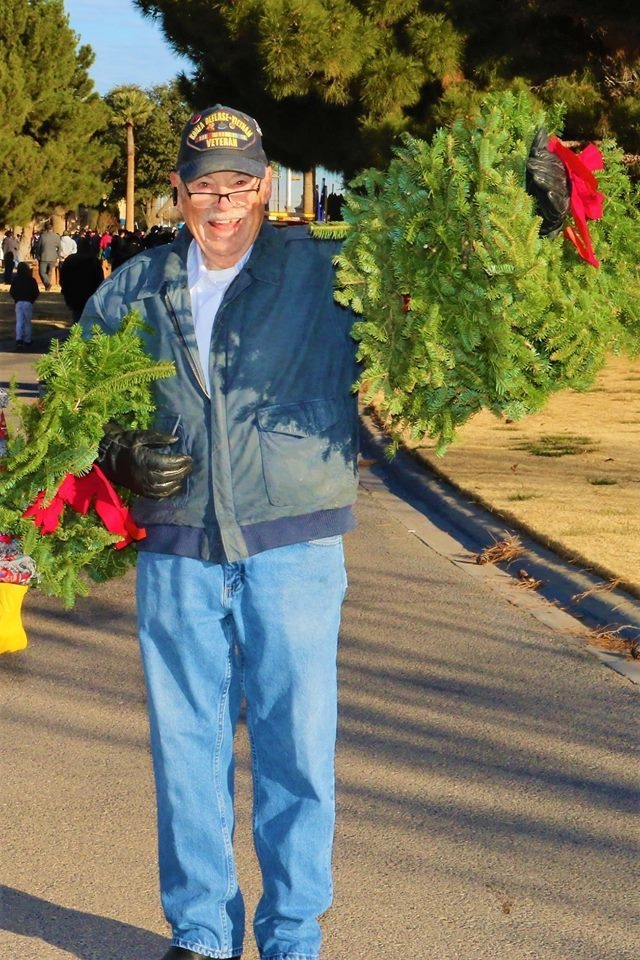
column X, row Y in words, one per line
column 237, row 198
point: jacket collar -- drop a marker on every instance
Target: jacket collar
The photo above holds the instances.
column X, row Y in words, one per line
column 169, row 268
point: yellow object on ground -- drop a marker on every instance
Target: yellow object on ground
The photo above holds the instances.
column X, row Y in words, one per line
column 12, row 635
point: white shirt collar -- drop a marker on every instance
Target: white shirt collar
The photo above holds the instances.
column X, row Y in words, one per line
column 200, row 273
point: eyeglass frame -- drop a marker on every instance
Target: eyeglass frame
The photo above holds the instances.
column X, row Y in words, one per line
column 229, row 193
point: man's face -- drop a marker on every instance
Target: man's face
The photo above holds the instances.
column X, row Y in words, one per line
column 223, row 229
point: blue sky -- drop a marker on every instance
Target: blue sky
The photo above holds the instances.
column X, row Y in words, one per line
column 128, row 47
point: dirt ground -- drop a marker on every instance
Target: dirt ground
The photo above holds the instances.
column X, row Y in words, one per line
column 569, row 475
column 50, row 311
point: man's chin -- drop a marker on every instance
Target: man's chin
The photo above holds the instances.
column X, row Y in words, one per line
column 222, row 251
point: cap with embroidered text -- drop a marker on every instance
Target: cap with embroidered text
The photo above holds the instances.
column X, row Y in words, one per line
column 220, row 138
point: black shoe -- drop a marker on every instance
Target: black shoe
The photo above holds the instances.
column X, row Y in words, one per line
column 180, row 953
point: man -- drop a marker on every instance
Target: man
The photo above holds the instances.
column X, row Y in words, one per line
column 68, row 246
column 245, row 485
column 47, row 253
column 10, row 250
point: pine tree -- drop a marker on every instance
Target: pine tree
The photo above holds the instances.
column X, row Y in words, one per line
column 334, row 82
column 51, row 156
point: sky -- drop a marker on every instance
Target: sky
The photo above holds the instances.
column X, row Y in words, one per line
column 128, row 47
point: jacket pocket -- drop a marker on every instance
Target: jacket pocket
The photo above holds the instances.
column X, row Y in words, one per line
column 307, row 455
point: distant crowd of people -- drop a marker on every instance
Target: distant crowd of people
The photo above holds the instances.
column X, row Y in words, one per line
column 77, row 261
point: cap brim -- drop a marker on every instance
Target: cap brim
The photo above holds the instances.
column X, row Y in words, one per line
column 220, row 161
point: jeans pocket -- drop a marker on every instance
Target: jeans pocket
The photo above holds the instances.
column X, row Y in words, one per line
column 326, row 541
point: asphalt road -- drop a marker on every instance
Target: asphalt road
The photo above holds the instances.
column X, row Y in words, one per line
column 487, row 776
column 486, row 773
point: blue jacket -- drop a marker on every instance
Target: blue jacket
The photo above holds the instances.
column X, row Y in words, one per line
column 274, row 445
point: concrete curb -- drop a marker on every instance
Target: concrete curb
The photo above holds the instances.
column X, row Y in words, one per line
column 457, row 528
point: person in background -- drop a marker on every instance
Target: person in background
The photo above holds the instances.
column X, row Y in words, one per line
column 67, row 246
column 105, row 245
column 10, row 247
column 80, row 276
column 24, row 291
column 245, row 486
column 47, row 253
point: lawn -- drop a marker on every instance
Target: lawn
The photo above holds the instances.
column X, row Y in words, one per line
column 569, row 475
column 49, row 312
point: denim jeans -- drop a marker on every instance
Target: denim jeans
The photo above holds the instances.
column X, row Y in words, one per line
column 265, row 627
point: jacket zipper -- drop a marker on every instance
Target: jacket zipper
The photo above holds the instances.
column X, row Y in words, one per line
column 194, row 367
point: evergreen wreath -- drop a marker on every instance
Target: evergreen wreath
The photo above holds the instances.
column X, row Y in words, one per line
column 464, row 306
column 85, row 383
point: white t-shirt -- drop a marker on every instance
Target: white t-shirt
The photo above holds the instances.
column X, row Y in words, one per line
column 207, row 288
column 67, row 246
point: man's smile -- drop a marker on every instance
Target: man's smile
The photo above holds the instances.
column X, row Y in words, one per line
column 224, row 226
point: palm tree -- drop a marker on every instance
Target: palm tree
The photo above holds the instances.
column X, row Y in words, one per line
column 131, row 106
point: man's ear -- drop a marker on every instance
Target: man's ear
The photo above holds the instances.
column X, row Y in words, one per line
column 174, row 180
column 267, row 183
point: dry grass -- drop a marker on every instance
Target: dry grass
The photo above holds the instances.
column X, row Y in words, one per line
column 569, row 475
column 502, row 551
column 608, row 638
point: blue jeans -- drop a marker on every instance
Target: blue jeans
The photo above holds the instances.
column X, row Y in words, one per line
column 266, row 627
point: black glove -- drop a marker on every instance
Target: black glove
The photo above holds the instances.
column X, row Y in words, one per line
column 129, row 457
column 547, row 182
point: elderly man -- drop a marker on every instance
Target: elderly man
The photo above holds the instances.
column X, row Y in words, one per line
column 245, row 487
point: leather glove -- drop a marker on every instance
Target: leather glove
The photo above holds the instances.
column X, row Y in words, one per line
column 130, row 458
column 547, row 182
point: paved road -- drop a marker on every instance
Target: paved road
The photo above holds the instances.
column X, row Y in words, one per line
column 487, row 789
column 487, row 774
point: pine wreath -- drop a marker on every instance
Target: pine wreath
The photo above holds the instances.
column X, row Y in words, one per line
column 463, row 304
column 85, row 383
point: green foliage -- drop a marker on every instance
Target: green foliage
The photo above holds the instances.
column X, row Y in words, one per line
column 582, row 99
column 334, row 82
column 51, row 114
column 497, row 317
column 86, row 383
column 158, row 125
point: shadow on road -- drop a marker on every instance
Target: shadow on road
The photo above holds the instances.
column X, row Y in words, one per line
column 74, row 931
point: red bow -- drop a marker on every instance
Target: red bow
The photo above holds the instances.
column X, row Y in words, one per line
column 586, row 201
column 80, row 493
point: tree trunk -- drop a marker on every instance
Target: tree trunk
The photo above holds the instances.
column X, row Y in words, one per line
column 58, row 219
column 24, row 252
column 307, row 195
column 130, row 200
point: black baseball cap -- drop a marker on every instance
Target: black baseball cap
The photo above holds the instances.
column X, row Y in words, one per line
column 221, row 138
